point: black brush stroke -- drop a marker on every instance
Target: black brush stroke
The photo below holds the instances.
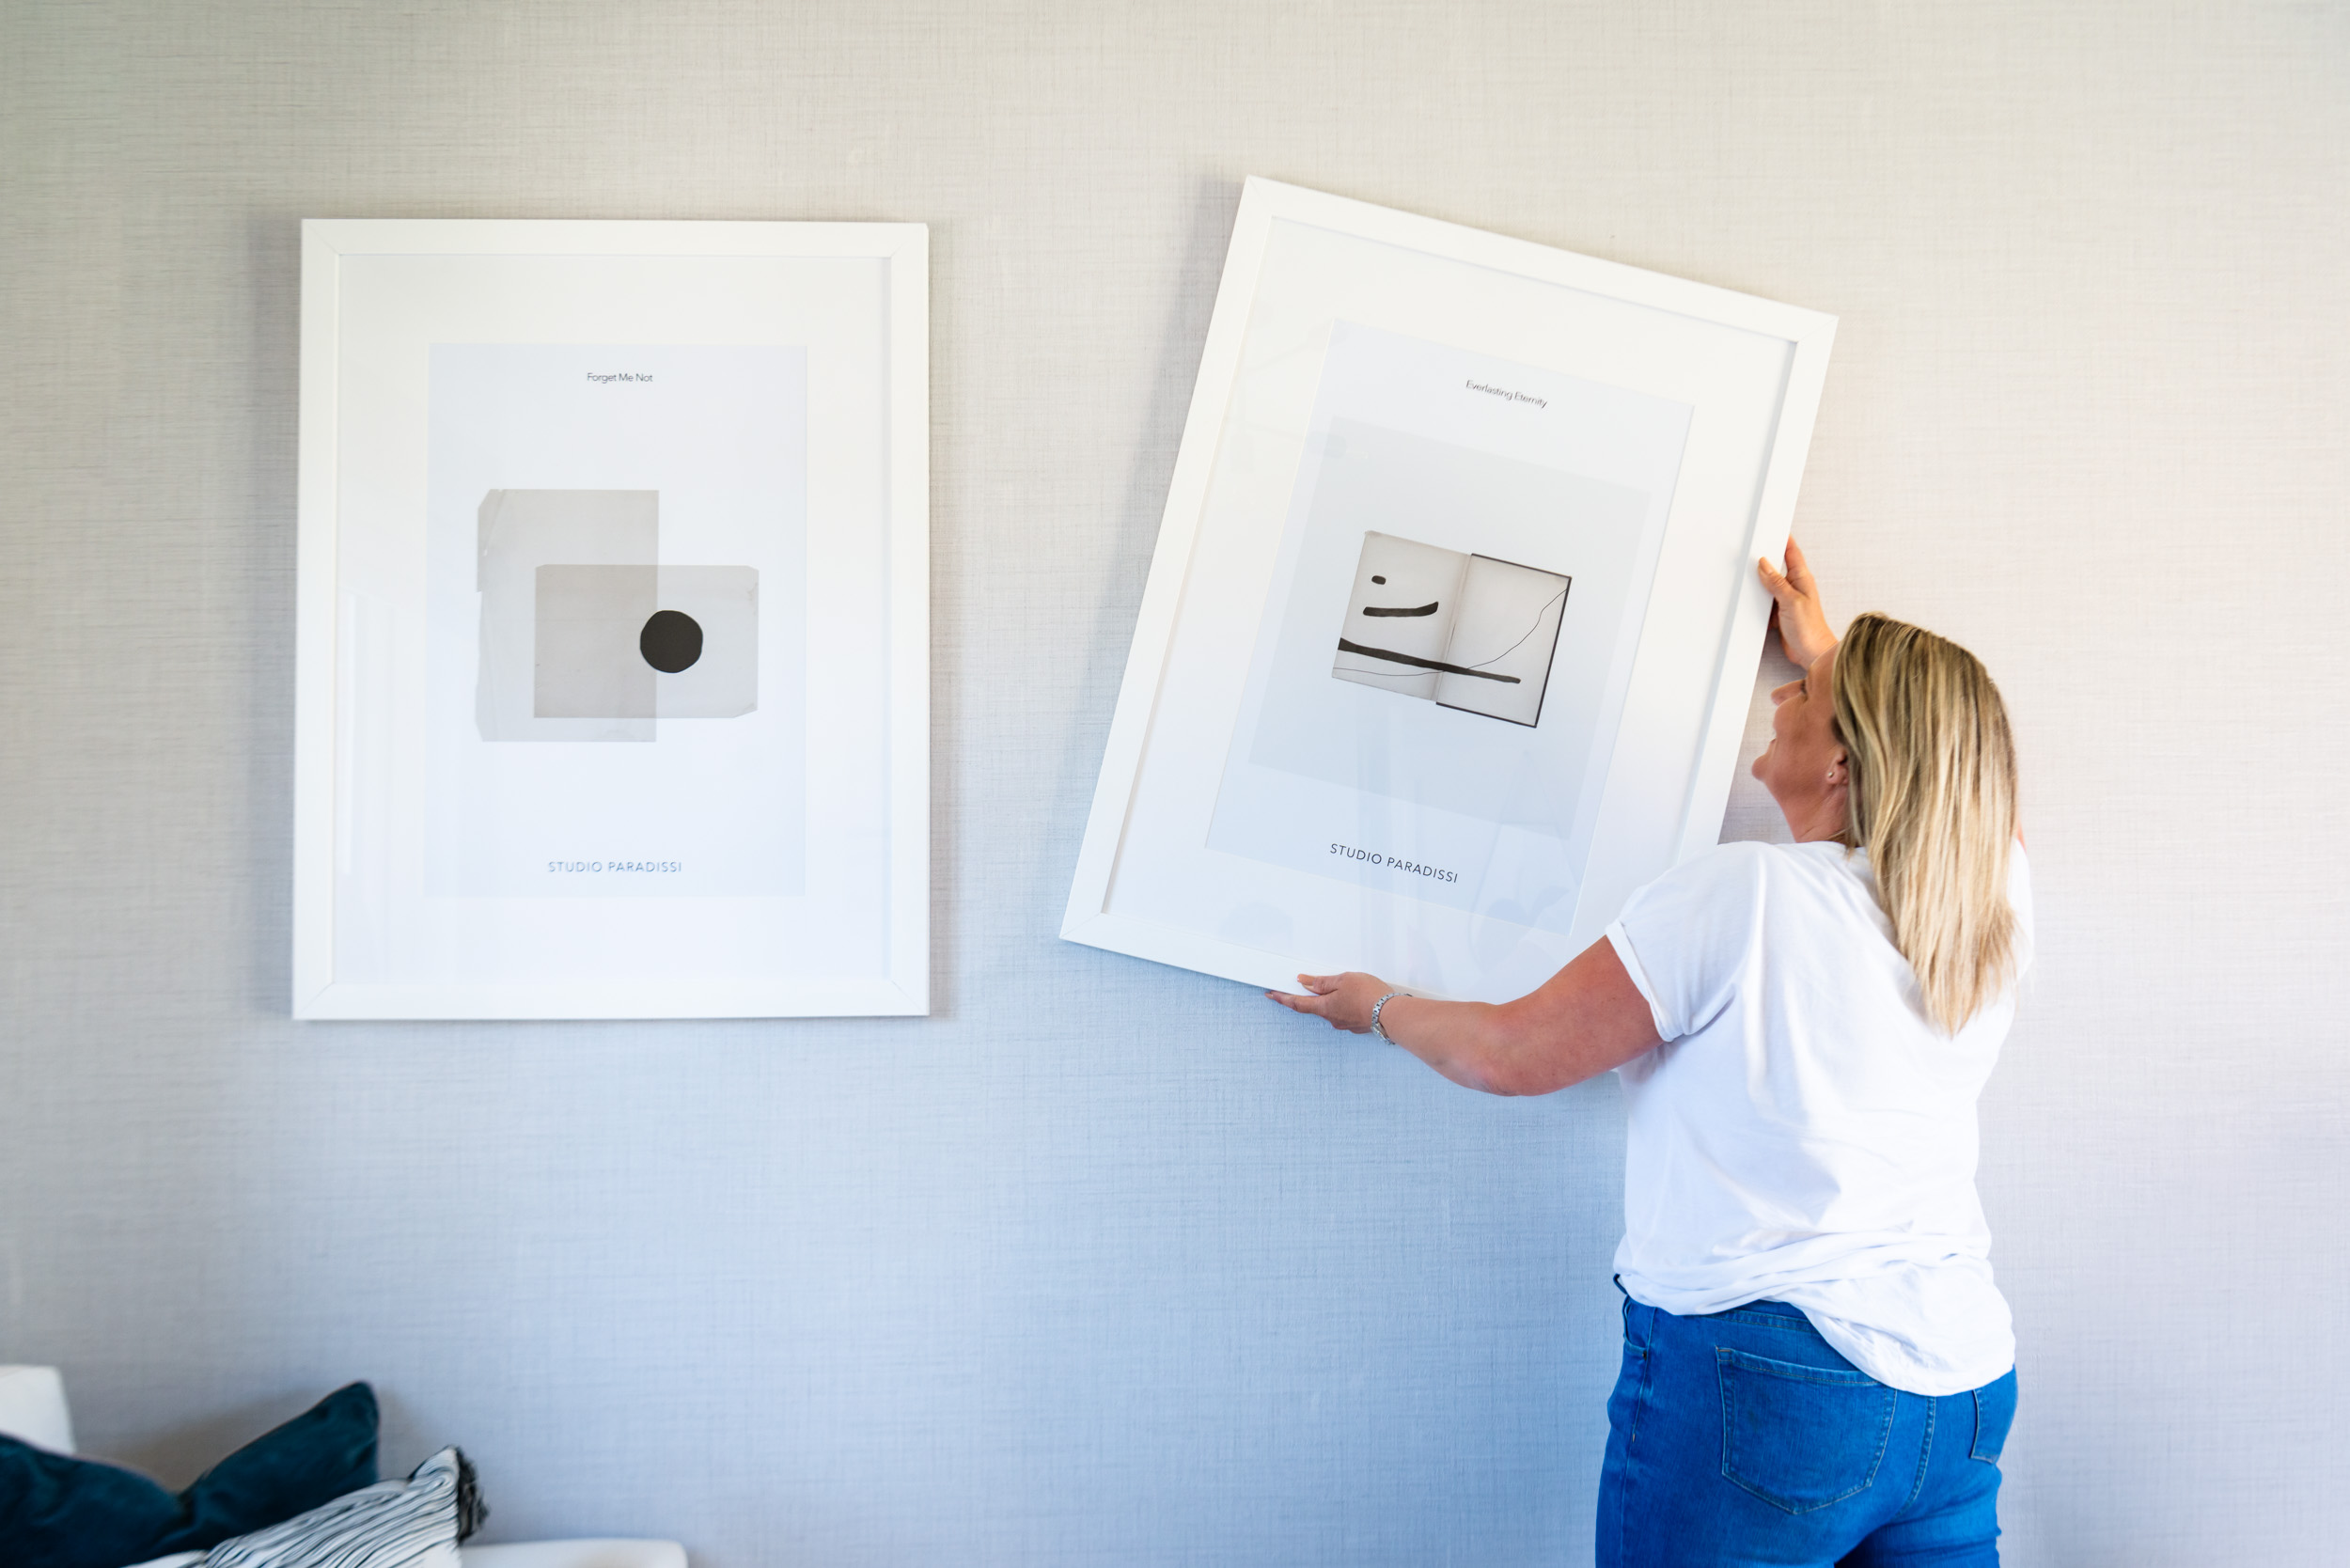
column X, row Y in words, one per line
column 1428, row 609
column 1418, row 663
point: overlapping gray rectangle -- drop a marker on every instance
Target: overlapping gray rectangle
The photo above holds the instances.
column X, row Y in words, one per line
column 519, row 532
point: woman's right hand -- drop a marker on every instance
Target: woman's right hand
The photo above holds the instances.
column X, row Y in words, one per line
column 1795, row 608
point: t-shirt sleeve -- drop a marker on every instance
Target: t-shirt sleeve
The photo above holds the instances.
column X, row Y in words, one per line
column 1685, row 937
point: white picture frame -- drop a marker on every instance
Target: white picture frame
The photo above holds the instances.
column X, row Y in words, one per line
column 1643, row 435
column 517, row 437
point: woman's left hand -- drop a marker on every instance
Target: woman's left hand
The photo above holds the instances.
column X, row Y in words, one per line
column 1584, row 1020
column 1795, row 608
column 1342, row 1001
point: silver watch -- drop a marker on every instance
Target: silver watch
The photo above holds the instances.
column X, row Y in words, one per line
column 1378, row 1006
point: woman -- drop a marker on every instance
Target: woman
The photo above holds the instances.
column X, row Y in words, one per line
column 1817, row 1368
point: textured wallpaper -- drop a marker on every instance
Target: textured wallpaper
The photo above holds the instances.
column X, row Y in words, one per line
column 1108, row 1263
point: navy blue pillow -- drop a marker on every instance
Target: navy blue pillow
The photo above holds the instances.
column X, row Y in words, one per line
column 58, row 1512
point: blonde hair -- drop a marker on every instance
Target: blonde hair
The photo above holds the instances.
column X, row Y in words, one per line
column 1933, row 801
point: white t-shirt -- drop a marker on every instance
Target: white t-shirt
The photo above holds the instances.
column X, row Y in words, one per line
column 1805, row 1135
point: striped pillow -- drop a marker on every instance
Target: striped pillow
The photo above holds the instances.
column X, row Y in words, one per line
column 395, row 1524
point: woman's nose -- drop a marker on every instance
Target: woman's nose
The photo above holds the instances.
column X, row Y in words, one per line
column 1780, row 694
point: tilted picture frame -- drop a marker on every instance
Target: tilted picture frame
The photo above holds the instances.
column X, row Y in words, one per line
column 1449, row 635
column 612, row 691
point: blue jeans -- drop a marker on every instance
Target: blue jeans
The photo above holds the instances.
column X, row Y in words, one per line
column 1741, row 1437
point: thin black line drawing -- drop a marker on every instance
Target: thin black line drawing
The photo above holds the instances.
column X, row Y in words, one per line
column 1365, row 673
column 1529, row 632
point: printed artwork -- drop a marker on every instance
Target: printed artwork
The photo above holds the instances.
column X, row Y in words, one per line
column 592, row 721
column 1438, row 675
column 617, row 683
column 586, row 637
column 1448, row 626
column 1480, row 643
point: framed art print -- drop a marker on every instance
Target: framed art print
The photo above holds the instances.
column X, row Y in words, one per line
column 613, row 640
column 1450, row 632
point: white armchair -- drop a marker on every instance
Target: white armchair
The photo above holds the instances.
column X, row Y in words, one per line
column 33, row 1407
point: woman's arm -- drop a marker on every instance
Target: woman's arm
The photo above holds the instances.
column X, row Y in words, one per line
column 1589, row 1017
column 1586, row 1019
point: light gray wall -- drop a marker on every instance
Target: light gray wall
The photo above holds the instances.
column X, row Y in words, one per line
column 1106, row 1262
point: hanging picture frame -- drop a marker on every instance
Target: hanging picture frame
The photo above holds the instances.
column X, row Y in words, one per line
column 1447, row 638
column 612, row 681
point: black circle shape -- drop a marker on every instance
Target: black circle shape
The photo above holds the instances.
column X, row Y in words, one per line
column 671, row 641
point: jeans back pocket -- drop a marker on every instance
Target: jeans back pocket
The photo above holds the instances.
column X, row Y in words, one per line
column 1995, row 1412
column 1801, row 1437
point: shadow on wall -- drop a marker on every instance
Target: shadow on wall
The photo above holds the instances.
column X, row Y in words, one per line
column 1750, row 815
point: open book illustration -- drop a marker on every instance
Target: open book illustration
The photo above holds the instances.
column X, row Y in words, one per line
column 1462, row 631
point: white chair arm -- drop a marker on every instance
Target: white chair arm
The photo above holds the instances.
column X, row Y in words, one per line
column 32, row 1407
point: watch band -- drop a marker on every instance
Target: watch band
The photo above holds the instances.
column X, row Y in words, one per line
column 1377, row 1009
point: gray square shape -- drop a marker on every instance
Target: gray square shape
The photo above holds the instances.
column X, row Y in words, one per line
column 587, row 624
column 723, row 603
column 590, row 621
column 519, row 531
